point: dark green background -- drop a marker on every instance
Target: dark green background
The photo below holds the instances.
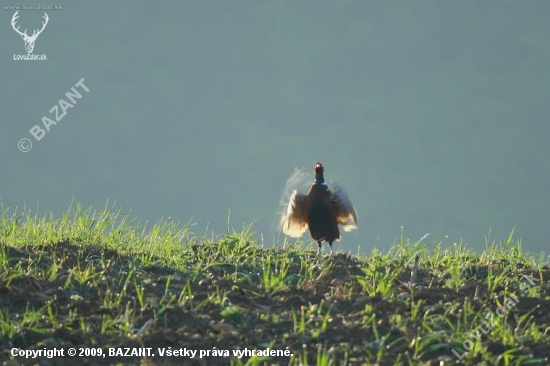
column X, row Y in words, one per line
column 433, row 114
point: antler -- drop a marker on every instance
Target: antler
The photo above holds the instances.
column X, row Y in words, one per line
column 43, row 26
column 15, row 16
column 24, row 34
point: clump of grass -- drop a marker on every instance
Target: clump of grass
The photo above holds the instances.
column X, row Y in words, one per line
column 100, row 279
column 233, row 313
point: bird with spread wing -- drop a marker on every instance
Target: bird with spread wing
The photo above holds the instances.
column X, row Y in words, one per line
column 321, row 210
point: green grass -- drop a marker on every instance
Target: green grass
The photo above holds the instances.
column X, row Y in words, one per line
column 100, row 279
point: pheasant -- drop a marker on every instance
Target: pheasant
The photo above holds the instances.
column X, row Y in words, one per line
column 321, row 210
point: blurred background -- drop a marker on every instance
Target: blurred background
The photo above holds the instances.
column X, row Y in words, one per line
column 433, row 115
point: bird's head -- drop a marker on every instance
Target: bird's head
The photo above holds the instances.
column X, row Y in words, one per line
column 319, row 169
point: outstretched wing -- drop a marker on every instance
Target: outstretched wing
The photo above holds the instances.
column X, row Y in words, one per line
column 345, row 212
column 294, row 221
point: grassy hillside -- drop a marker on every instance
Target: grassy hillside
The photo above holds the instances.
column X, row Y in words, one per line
column 97, row 279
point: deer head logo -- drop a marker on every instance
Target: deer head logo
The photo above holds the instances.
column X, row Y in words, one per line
column 29, row 41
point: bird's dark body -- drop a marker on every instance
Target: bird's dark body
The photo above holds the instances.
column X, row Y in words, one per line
column 321, row 219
